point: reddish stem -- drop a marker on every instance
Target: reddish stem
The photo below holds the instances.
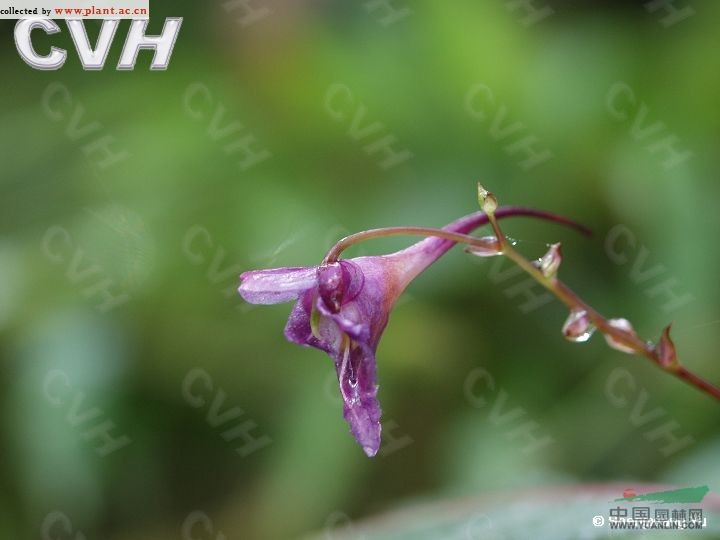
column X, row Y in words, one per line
column 482, row 219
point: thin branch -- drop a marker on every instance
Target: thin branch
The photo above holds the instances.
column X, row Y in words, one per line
column 618, row 332
column 481, row 219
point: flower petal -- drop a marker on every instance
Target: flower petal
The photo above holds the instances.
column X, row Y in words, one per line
column 357, row 377
column 297, row 329
column 355, row 366
column 364, row 420
column 350, row 319
column 276, row 285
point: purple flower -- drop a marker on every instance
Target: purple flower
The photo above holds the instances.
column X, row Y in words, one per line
column 343, row 307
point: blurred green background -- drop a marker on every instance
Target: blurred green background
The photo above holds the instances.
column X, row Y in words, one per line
column 117, row 271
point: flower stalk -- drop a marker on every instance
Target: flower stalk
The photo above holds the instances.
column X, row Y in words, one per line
column 619, row 336
column 482, row 243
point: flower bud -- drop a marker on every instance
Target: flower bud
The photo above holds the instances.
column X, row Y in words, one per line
column 577, row 327
column 488, row 202
column 550, row 263
column 619, row 344
column 665, row 350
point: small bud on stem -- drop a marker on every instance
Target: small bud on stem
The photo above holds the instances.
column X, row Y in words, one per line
column 577, row 327
column 665, row 350
column 488, row 202
column 550, row 263
column 619, row 341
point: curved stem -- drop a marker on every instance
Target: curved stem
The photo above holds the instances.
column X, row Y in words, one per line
column 509, row 211
column 343, row 244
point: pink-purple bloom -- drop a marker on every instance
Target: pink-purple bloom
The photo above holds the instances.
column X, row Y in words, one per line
column 343, row 307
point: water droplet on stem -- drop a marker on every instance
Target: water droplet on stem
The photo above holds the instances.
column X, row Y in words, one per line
column 490, row 249
column 577, row 327
column 618, row 344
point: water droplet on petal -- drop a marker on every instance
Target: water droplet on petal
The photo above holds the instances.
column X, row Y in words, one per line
column 511, row 241
column 619, row 345
column 369, row 451
column 577, row 327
